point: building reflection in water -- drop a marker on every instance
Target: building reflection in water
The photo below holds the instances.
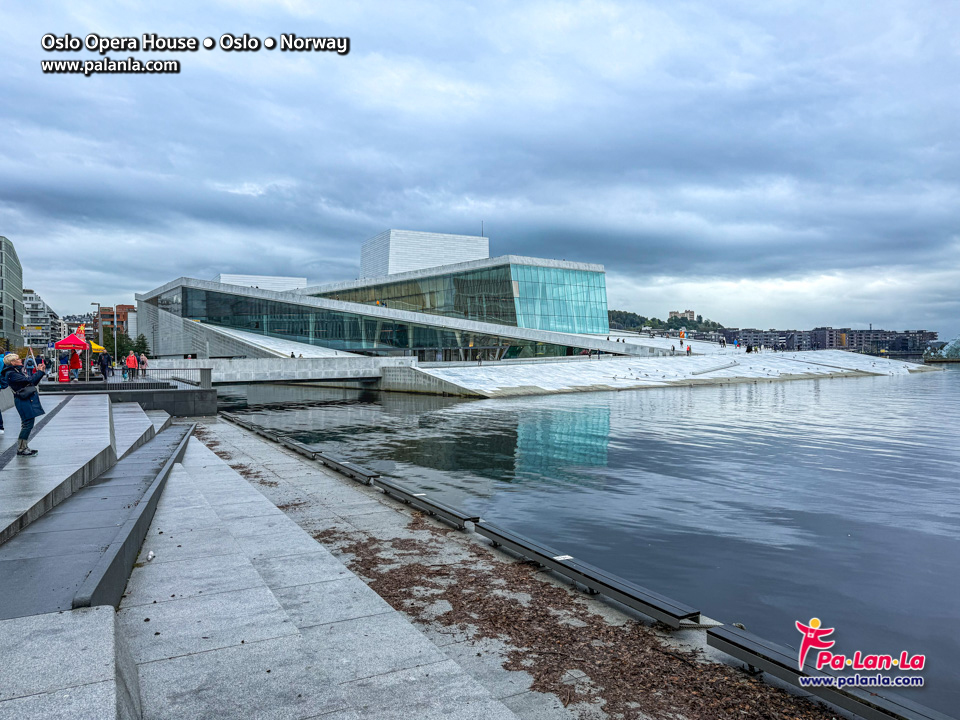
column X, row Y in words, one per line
column 468, row 449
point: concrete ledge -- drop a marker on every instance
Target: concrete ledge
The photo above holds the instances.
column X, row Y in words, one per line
column 178, row 402
column 29, row 487
column 67, row 664
column 414, row 380
column 106, row 582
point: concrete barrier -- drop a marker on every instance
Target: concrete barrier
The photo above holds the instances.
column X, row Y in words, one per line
column 249, row 370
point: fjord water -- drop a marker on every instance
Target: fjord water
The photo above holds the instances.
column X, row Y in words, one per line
column 757, row 503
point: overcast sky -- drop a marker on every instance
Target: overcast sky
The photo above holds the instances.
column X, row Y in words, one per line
column 766, row 164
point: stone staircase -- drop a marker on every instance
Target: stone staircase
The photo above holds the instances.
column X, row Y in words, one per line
column 79, row 439
column 72, row 519
column 241, row 613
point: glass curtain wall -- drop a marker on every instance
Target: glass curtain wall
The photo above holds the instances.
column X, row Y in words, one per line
column 560, row 299
column 483, row 295
column 527, row 296
column 346, row 331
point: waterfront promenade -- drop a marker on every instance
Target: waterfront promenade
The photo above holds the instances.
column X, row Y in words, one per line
column 269, row 586
column 616, row 373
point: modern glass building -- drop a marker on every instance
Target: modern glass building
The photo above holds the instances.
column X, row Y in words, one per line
column 517, row 291
column 381, row 331
column 480, row 309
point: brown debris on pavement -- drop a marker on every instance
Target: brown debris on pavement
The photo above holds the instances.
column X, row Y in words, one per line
column 552, row 634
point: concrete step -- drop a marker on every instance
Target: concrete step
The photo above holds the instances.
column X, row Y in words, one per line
column 161, row 420
column 75, row 447
column 208, row 636
column 11, row 418
column 343, row 650
column 67, row 665
column 131, row 427
column 81, row 552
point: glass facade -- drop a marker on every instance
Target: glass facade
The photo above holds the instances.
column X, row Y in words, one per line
column 560, row 299
column 347, row 331
column 527, row 296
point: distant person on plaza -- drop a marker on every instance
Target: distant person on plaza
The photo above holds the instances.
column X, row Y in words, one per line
column 104, row 361
column 292, row 355
column 75, row 365
column 132, row 365
column 688, row 349
column 30, row 365
column 143, row 364
column 26, row 398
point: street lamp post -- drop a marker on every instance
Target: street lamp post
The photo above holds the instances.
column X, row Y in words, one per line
column 99, row 330
column 99, row 324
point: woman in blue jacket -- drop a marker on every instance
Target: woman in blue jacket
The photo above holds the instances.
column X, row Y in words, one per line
column 25, row 396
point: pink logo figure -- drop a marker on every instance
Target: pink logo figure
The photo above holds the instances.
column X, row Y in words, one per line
column 813, row 636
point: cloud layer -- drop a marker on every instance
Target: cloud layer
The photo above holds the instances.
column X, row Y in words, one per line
column 781, row 165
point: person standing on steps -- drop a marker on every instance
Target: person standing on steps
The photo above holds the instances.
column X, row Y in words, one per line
column 25, row 396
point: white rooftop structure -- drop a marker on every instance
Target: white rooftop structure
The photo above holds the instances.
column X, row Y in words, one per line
column 264, row 282
column 399, row 251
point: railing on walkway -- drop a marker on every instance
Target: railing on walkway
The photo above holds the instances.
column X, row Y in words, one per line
column 174, row 377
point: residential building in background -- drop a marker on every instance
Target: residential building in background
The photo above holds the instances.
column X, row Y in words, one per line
column 265, row 282
column 123, row 316
column 400, row 251
column 72, row 322
column 685, row 315
column 11, row 296
column 830, row 338
column 41, row 325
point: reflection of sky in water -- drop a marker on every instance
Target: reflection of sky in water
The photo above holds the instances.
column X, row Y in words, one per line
column 759, row 503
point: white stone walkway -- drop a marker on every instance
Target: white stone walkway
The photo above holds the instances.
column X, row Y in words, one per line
column 504, row 379
column 242, row 614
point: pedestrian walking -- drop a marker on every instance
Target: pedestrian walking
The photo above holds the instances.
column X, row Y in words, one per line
column 132, row 365
column 688, row 349
column 26, row 397
column 143, row 364
column 104, row 360
column 75, row 365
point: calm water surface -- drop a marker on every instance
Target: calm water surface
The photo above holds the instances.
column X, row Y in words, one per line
column 761, row 504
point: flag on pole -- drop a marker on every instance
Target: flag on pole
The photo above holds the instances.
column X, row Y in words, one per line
column 80, row 332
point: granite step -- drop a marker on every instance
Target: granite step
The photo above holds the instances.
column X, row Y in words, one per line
column 161, row 420
column 67, row 665
column 207, row 635
column 74, row 447
column 80, row 553
column 362, row 656
column 11, row 418
column 132, row 427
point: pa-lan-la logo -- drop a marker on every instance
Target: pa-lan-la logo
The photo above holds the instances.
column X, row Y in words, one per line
column 814, row 635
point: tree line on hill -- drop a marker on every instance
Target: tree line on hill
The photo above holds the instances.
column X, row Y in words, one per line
column 631, row 321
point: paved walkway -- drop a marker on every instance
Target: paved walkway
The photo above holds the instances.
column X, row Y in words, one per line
column 505, row 379
column 241, row 613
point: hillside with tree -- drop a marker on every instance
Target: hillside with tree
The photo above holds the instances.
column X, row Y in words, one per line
column 624, row 320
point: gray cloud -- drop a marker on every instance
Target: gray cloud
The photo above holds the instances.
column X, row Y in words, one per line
column 704, row 143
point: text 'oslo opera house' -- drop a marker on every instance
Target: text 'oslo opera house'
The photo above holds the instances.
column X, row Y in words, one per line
column 431, row 296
